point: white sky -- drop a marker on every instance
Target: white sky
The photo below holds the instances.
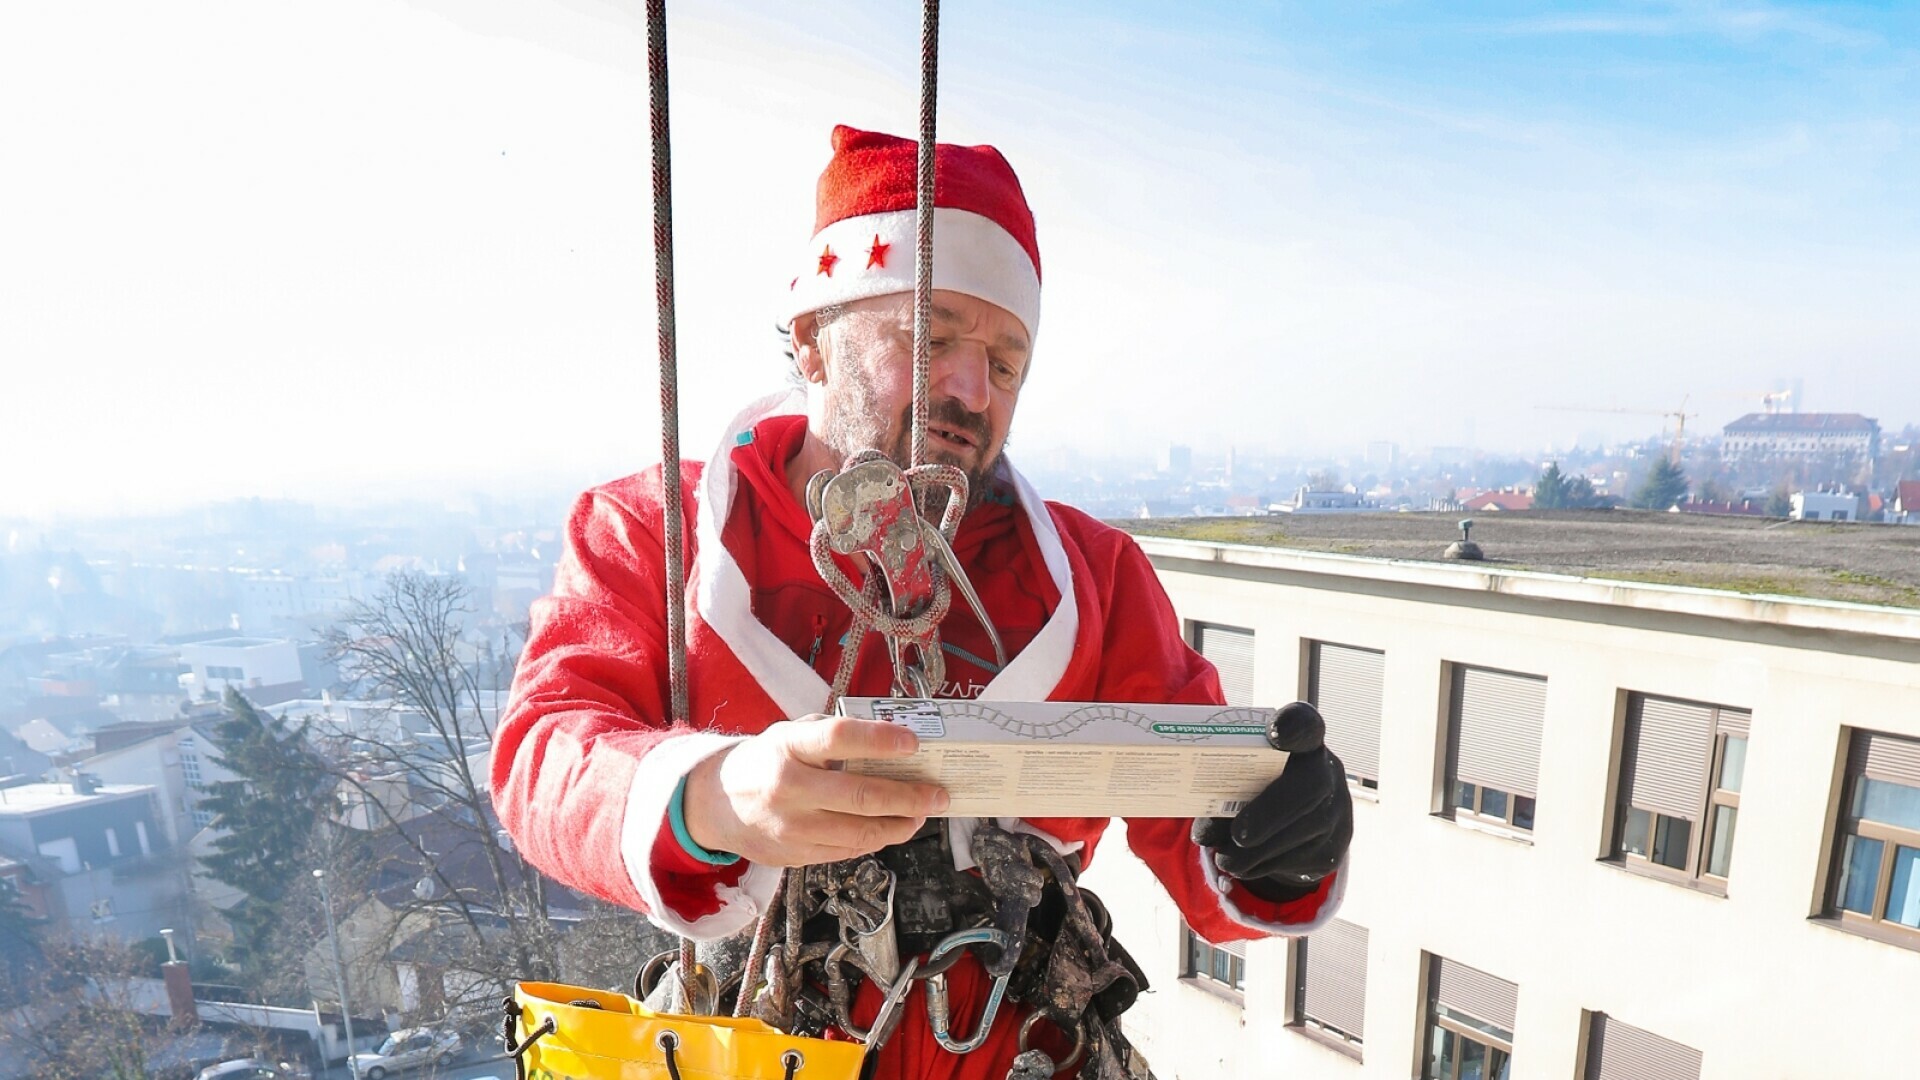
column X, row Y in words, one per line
column 316, row 249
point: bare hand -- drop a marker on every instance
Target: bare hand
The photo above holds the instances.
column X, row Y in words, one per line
column 773, row 799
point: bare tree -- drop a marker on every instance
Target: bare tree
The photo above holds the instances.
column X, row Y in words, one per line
column 420, row 782
column 83, row 1022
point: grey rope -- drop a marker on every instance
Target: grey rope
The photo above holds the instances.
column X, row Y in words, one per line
column 753, row 974
column 923, row 226
column 673, row 526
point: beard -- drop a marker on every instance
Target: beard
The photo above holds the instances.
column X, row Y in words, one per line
column 855, row 424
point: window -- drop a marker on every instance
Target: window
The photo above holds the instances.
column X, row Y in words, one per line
column 1493, row 745
column 1346, row 685
column 1682, row 766
column 1469, row 1023
column 190, row 763
column 1330, row 983
column 1225, row 965
column 1877, row 872
column 1617, row 1051
column 1230, row 650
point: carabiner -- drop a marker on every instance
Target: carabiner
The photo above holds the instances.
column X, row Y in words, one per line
column 938, row 1012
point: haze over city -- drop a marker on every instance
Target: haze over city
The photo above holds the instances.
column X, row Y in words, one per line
column 390, row 249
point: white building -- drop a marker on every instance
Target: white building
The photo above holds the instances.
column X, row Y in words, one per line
column 1780, row 437
column 97, row 857
column 1307, row 500
column 1824, row 506
column 240, row 662
column 1547, row 774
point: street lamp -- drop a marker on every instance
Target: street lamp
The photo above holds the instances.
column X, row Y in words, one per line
column 339, row 971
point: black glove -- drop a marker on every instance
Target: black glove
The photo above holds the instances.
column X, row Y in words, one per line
column 1285, row 842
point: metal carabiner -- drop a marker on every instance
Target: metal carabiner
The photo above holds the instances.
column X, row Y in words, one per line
column 938, row 1012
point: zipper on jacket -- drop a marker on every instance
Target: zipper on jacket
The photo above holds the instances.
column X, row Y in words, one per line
column 819, row 636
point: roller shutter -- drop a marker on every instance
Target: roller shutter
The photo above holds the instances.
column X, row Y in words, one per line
column 1230, row 650
column 1497, row 717
column 1879, row 756
column 1617, row 1051
column 1671, row 745
column 1333, row 985
column 1346, row 684
column 1473, row 991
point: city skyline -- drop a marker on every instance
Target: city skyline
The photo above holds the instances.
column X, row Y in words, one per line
column 377, row 250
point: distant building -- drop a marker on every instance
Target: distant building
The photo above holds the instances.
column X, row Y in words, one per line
column 143, row 685
column 1496, row 501
column 1177, row 460
column 1825, row 506
column 173, row 758
column 1309, row 501
column 1780, row 437
column 289, row 604
column 97, row 855
column 1905, row 509
column 240, row 662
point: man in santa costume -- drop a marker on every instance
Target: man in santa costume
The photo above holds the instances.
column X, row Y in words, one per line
column 693, row 825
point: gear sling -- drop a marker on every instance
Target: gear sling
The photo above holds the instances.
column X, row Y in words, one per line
column 1045, row 942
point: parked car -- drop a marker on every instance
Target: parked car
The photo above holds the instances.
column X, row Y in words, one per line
column 251, row 1069
column 408, row 1048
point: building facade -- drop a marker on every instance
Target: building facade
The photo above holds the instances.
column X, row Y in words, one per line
column 240, row 663
column 1783, row 437
column 1602, row 830
column 98, row 857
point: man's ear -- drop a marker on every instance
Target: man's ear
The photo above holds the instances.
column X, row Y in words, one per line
column 808, row 358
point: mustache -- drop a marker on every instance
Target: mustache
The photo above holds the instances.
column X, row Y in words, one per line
column 949, row 413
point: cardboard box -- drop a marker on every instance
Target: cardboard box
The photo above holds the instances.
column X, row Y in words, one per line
column 1080, row 759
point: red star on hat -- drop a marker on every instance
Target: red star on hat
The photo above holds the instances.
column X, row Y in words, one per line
column 877, row 254
column 827, row 259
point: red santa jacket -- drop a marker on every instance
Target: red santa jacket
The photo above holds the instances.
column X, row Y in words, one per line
column 584, row 762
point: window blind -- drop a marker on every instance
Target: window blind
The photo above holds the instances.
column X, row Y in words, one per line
column 1670, row 747
column 1346, row 684
column 1617, row 1051
column 1879, row 756
column 1230, row 650
column 1473, row 991
column 1333, row 982
column 1496, row 721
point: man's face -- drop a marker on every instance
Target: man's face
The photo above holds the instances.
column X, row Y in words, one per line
column 863, row 362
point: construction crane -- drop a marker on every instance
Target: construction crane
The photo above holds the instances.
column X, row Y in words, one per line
column 1680, row 417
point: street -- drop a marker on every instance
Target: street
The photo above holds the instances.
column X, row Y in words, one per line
column 485, row 1065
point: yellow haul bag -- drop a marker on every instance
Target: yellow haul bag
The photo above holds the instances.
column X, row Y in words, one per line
column 573, row 1033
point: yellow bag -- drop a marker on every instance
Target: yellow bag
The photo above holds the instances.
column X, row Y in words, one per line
column 617, row 1038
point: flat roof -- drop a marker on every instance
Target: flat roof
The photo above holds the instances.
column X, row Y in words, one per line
column 1855, row 563
column 240, row 642
column 28, row 798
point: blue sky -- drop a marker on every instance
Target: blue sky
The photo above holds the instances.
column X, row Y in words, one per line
column 390, row 246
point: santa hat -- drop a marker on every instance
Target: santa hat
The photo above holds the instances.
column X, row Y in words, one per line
column 863, row 240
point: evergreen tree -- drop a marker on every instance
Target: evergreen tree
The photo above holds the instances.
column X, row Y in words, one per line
column 266, row 818
column 1665, row 485
column 1580, row 494
column 1780, row 504
column 1550, row 491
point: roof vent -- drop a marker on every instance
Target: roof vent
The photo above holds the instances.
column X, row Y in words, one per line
column 1464, row 548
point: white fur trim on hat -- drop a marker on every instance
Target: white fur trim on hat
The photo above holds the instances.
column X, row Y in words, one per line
column 972, row 254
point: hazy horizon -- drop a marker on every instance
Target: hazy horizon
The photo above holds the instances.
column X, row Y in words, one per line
column 381, row 248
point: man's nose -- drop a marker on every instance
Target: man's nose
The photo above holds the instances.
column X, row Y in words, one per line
column 961, row 373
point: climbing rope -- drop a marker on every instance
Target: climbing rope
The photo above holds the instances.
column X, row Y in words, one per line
column 923, row 228
column 673, row 527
